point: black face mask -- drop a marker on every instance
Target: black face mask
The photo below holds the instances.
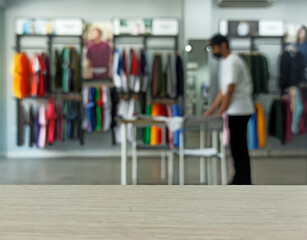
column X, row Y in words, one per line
column 217, row 55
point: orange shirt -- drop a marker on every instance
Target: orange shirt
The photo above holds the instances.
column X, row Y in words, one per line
column 261, row 125
column 21, row 75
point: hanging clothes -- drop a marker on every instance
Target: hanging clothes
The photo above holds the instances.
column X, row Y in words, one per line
column 292, row 68
column 51, row 119
column 277, row 120
column 147, row 135
column 155, row 133
column 252, row 137
column 25, row 119
column 107, row 107
column 170, row 135
column 21, row 75
column 297, row 113
column 117, row 70
column 31, row 124
column 176, row 112
column 71, row 70
column 42, row 74
column 114, row 103
column 144, row 72
column 85, row 102
column 65, row 112
column 102, row 105
column 71, row 119
column 180, row 76
column 259, row 71
column 124, row 72
column 157, row 76
column 288, row 121
column 46, row 73
column 35, row 73
column 261, row 125
column 65, row 70
column 135, row 73
column 75, row 71
column 58, row 61
column 36, row 129
column 99, row 113
column 42, row 126
column 79, row 119
column 90, row 110
column 170, row 77
column 303, row 120
column 59, row 120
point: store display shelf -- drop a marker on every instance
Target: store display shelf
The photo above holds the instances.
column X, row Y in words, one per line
column 264, row 37
column 89, row 80
column 145, row 35
column 55, row 94
column 47, row 35
column 128, row 95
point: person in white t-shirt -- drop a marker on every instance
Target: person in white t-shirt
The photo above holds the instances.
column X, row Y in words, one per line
column 234, row 99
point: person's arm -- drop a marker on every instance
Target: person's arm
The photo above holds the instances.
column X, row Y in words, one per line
column 217, row 102
column 226, row 99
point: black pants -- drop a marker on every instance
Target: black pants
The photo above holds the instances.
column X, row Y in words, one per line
column 239, row 149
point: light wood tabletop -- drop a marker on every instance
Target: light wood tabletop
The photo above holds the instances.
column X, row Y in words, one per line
column 153, row 212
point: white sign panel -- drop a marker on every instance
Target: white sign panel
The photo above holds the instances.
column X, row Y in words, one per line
column 271, row 28
column 165, row 27
column 68, row 27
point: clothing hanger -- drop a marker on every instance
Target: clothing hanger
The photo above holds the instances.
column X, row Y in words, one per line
column 158, row 54
column 70, row 48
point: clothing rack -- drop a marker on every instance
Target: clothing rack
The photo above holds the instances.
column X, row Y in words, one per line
column 73, row 97
column 97, row 82
column 50, row 42
column 143, row 40
column 252, row 49
column 253, row 39
column 164, row 101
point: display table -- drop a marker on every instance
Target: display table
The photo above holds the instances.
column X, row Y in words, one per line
column 153, row 212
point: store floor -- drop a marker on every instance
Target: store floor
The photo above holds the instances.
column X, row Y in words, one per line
column 107, row 171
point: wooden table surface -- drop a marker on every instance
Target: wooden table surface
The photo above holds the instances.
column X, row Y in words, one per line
column 153, row 212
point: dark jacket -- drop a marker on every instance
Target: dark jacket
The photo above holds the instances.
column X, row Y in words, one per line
column 291, row 69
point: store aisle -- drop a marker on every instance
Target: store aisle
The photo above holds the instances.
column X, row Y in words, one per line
column 107, row 171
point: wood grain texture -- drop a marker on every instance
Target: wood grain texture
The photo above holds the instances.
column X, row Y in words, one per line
column 153, row 212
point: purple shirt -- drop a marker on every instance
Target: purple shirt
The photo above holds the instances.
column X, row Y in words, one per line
column 99, row 55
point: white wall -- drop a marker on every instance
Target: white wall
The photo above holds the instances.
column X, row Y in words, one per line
column 89, row 10
column 197, row 19
column 293, row 11
column 2, row 3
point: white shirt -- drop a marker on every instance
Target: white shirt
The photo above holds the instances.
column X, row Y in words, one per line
column 232, row 70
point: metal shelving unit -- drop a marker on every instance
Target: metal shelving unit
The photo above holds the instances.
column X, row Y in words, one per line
column 50, row 42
